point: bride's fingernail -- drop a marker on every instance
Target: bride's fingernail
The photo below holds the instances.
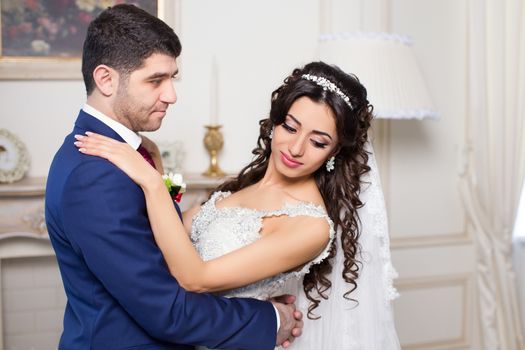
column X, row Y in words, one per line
column 89, row 133
column 82, row 150
column 77, row 143
column 80, row 137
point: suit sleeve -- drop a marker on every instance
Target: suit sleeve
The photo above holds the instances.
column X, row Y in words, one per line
column 113, row 236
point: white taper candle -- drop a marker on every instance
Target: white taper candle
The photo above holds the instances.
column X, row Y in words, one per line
column 214, row 93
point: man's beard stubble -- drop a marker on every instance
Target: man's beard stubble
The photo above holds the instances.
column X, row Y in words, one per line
column 128, row 113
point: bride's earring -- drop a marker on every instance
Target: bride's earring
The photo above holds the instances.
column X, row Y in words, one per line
column 330, row 164
column 271, row 134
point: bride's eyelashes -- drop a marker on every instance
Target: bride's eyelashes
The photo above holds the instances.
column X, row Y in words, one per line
column 292, row 130
column 289, row 128
column 319, row 144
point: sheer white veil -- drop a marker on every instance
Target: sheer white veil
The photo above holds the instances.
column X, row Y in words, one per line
column 369, row 324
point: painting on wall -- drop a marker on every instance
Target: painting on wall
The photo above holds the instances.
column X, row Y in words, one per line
column 42, row 39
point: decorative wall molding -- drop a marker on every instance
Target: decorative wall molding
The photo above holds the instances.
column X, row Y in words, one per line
column 465, row 282
column 22, row 209
column 460, row 238
column 463, row 237
column 381, row 142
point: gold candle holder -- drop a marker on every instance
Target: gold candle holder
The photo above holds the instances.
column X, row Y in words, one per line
column 213, row 142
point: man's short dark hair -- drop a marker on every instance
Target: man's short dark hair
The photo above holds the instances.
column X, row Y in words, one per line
column 122, row 37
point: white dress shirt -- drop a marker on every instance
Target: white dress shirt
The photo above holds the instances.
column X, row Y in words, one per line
column 131, row 137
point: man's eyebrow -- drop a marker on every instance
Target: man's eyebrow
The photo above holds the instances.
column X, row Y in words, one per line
column 162, row 75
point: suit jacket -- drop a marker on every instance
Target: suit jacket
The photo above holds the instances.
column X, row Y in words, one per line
column 120, row 294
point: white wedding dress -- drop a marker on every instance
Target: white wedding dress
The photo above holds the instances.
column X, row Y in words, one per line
column 343, row 325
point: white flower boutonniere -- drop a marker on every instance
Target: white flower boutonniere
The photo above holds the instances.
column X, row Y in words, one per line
column 175, row 185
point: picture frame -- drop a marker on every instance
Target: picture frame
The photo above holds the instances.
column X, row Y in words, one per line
column 173, row 155
column 16, row 65
column 14, row 157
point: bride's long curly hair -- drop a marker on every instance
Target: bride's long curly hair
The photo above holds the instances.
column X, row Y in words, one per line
column 340, row 188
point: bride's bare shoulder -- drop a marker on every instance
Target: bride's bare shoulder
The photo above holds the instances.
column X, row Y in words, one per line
column 307, row 194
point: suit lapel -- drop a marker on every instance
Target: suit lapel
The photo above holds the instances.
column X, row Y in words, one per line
column 86, row 122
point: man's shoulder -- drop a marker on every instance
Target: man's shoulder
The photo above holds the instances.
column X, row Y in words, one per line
column 71, row 169
column 97, row 172
column 68, row 160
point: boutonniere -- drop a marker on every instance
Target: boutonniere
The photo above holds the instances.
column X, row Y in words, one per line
column 176, row 186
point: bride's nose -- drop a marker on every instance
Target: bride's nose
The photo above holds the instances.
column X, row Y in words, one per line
column 297, row 146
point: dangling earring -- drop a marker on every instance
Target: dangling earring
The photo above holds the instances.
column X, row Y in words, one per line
column 330, row 164
column 271, row 134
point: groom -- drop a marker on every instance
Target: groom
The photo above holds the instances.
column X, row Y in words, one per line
column 120, row 293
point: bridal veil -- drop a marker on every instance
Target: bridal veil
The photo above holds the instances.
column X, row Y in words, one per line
column 367, row 324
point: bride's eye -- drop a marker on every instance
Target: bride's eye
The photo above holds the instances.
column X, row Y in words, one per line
column 319, row 144
column 288, row 128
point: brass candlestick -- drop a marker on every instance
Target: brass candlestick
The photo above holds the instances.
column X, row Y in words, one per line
column 213, row 142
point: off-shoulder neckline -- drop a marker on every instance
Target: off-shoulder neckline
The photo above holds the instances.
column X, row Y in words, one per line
column 265, row 212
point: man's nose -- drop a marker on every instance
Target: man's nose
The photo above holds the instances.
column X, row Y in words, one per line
column 169, row 95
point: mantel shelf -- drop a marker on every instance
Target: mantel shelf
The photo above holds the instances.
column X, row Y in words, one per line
column 22, row 221
column 36, row 186
column 27, row 187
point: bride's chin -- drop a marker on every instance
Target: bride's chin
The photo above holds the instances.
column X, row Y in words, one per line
column 292, row 175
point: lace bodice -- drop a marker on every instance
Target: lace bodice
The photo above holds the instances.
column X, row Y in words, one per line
column 217, row 231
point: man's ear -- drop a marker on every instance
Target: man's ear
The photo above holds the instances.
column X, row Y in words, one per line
column 106, row 79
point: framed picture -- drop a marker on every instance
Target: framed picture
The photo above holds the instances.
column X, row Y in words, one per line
column 173, row 155
column 14, row 157
column 42, row 39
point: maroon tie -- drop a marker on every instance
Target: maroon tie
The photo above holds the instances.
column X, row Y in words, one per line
column 144, row 153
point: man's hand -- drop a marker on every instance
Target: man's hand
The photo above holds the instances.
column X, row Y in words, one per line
column 291, row 320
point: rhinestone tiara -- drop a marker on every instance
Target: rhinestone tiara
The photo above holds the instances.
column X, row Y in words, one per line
column 328, row 85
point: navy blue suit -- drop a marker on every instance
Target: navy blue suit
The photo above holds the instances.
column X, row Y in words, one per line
column 120, row 294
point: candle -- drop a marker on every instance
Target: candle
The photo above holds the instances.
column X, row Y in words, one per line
column 214, row 93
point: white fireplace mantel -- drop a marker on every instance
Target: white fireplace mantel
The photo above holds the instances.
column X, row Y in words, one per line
column 23, row 235
column 22, row 223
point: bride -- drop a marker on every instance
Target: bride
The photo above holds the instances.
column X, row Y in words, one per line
column 306, row 216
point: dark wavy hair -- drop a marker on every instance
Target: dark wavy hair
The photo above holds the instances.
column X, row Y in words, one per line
column 340, row 188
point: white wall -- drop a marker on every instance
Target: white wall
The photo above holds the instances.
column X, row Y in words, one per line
column 256, row 45
column 433, row 247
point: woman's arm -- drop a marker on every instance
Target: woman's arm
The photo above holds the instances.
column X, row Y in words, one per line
column 297, row 241
column 293, row 245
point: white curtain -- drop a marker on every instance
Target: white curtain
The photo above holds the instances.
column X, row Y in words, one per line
column 495, row 138
column 518, row 255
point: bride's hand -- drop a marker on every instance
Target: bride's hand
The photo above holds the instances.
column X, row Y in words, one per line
column 121, row 154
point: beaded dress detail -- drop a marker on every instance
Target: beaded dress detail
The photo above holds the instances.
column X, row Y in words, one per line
column 218, row 231
column 344, row 325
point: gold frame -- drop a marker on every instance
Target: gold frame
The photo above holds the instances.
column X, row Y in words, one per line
column 49, row 68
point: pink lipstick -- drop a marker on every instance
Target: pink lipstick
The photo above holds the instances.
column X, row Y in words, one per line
column 289, row 162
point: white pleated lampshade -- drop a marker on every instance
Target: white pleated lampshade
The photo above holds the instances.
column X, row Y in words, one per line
column 386, row 65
